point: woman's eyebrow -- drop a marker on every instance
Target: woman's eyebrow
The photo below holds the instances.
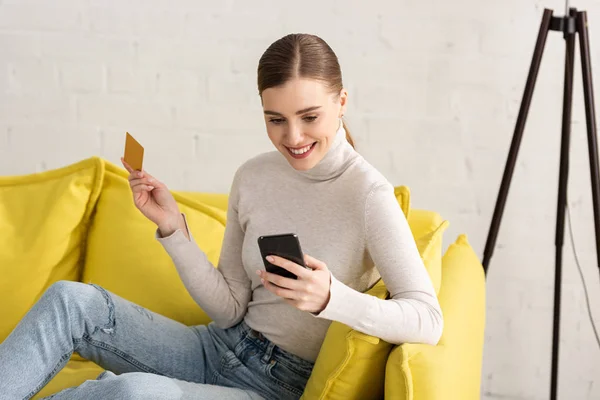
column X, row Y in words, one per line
column 305, row 110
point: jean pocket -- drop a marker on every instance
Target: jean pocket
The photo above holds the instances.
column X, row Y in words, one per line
column 294, row 363
column 287, row 377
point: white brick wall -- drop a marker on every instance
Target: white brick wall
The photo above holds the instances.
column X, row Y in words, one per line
column 434, row 93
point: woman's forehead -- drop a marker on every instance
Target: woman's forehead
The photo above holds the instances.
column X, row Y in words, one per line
column 295, row 95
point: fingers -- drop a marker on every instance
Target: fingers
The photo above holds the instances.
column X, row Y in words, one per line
column 133, row 174
column 127, row 166
column 281, row 281
column 294, row 268
column 313, row 263
column 154, row 180
column 139, row 181
column 136, row 177
column 279, row 291
column 142, row 184
column 142, row 187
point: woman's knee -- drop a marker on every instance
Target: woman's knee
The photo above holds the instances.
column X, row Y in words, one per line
column 140, row 385
column 64, row 288
column 129, row 386
column 78, row 297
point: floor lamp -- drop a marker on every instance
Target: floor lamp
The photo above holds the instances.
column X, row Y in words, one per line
column 571, row 25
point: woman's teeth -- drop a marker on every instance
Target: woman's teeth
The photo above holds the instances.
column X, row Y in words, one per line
column 302, row 150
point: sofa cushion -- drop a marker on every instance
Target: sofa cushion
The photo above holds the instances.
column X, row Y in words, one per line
column 351, row 364
column 402, row 194
column 44, row 218
column 216, row 200
column 124, row 256
column 430, row 248
column 427, row 228
column 418, row 371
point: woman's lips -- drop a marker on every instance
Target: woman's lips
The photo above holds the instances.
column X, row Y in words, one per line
column 301, row 152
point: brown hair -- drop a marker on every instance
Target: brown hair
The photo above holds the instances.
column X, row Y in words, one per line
column 300, row 55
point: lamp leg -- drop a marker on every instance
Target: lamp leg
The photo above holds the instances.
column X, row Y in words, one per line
column 517, row 136
column 588, row 92
column 562, row 199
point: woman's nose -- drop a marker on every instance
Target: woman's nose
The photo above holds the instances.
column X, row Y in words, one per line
column 294, row 135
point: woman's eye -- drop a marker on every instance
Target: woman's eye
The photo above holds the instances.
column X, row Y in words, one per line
column 278, row 121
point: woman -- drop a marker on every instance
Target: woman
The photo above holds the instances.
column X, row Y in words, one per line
column 267, row 330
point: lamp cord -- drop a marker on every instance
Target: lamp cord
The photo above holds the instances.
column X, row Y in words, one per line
column 587, row 299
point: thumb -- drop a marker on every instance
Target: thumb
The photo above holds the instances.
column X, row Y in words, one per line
column 313, row 263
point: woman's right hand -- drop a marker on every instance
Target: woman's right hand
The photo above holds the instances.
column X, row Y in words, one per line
column 154, row 200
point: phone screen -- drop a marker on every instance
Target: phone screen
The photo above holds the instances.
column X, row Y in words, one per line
column 284, row 245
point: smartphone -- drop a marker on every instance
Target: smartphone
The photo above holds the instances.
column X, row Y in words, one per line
column 285, row 245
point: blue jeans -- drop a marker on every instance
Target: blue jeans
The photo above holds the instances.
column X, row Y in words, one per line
column 146, row 355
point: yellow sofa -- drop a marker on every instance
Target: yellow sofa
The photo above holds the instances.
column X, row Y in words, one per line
column 79, row 223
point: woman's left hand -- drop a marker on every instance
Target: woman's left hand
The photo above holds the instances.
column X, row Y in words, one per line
column 310, row 292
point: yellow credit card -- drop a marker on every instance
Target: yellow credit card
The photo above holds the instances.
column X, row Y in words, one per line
column 134, row 152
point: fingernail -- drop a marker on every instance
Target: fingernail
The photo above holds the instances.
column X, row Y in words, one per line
column 151, row 187
column 150, row 180
column 139, row 174
column 270, row 259
column 262, row 281
column 258, row 272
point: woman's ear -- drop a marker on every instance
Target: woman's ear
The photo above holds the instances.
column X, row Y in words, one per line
column 343, row 101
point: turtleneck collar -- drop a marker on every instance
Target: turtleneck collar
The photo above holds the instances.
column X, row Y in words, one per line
column 336, row 160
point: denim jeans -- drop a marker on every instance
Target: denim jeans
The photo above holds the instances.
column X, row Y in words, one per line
column 145, row 355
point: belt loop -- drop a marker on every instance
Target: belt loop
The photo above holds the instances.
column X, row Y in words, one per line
column 268, row 352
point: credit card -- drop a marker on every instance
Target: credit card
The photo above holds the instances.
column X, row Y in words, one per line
column 134, row 152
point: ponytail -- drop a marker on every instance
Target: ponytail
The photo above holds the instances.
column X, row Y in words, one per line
column 348, row 135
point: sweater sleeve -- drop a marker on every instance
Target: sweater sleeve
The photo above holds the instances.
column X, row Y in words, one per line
column 223, row 292
column 412, row 314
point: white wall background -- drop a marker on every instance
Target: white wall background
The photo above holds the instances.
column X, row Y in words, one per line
column 435, row 88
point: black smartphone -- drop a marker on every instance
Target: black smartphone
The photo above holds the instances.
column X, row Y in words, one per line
column 285, row 245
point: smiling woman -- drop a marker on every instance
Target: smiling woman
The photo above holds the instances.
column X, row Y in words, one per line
column 303, row 134
column 267, row 329
column 303, row 97
column 299, row 151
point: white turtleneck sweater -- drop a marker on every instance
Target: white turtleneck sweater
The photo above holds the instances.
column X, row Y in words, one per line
column 346, row 215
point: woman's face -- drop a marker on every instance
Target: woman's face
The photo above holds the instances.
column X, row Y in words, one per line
column 302, row 118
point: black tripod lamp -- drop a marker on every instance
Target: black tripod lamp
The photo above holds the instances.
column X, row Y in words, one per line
column 571, row 25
